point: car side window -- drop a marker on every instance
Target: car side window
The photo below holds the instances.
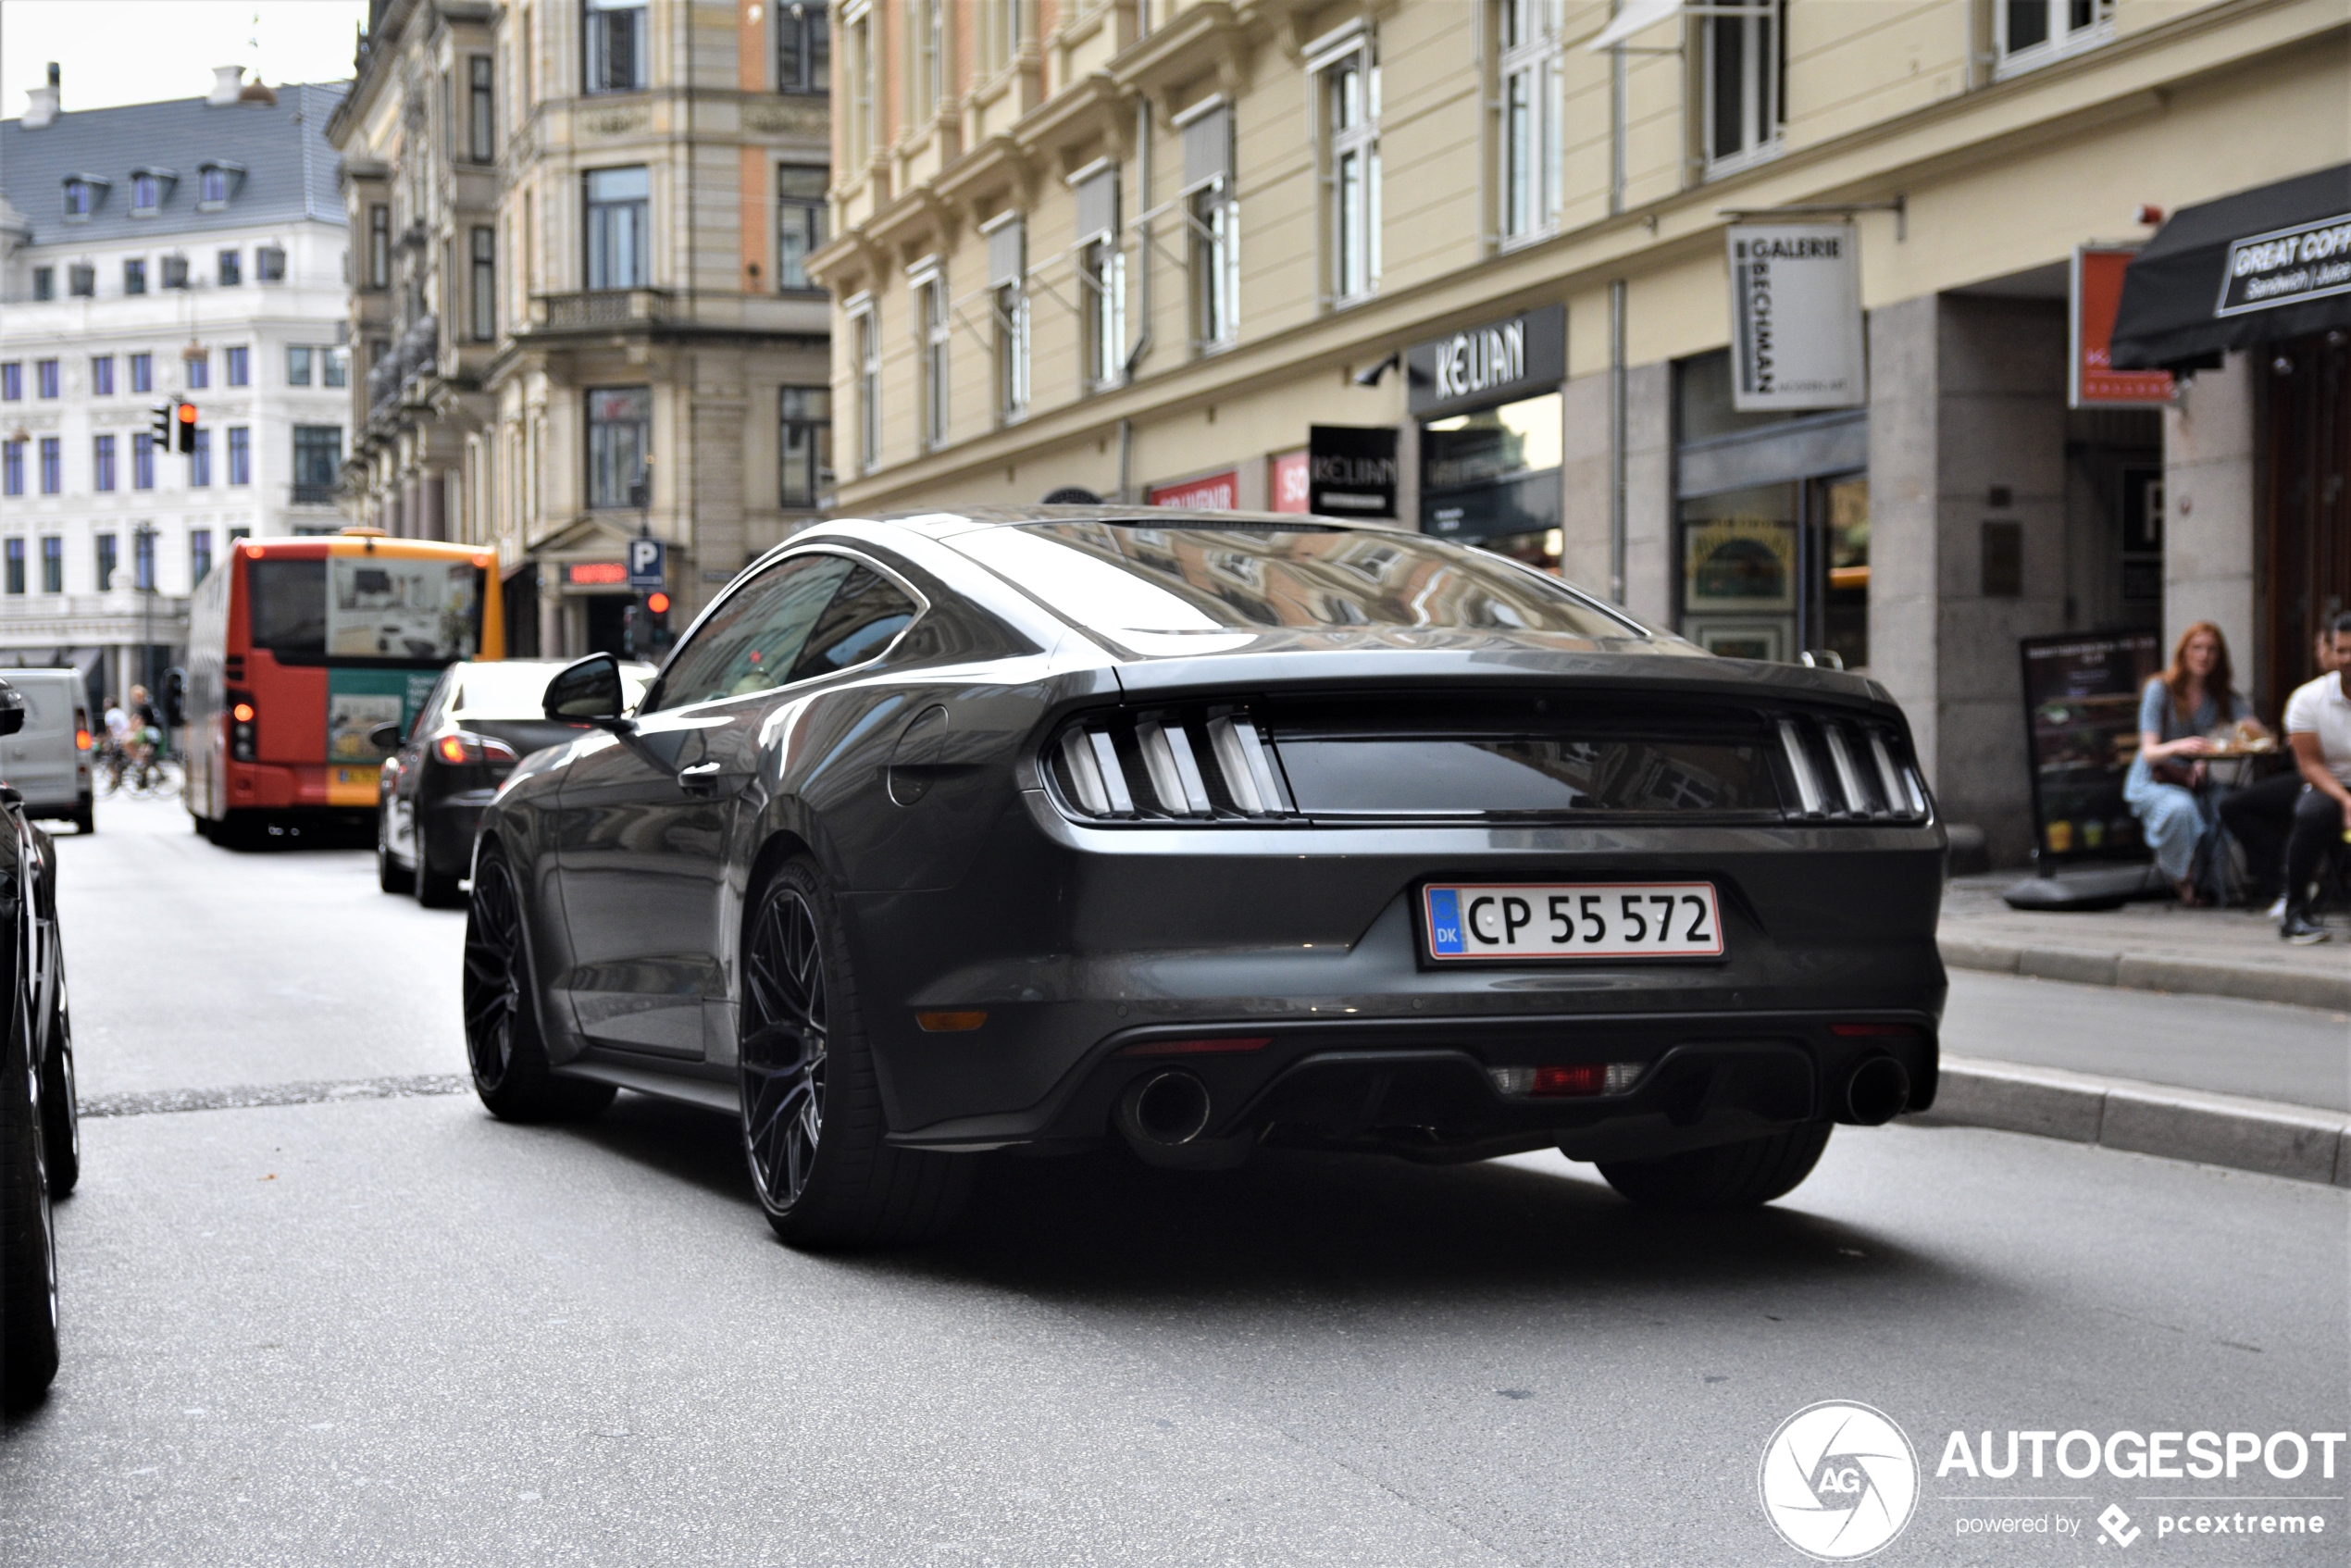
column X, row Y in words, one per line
column 429, row 712
column 752, row 639
column 866, row 613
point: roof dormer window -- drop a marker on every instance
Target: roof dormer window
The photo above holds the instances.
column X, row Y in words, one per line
column 148, row 189
column 216, row 181
column 83, row 194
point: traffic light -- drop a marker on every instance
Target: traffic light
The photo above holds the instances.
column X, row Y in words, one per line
column 645, row 626
column 162, row 426
column 183, row 416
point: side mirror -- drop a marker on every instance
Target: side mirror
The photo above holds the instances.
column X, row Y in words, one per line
column 385, row 737
column 589, row 690
column 11, row 709
column 174, row 699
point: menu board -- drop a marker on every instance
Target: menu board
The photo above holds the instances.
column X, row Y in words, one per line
column 2082, row 723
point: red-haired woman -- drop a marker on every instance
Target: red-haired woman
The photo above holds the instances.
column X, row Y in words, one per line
column 2179, row 712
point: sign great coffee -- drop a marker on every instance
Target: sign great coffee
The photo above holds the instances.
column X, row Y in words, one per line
column 2287, row 265
column 1498, row 362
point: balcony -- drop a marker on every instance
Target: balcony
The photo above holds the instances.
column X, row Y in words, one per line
column 313, row 494
column 599, row 310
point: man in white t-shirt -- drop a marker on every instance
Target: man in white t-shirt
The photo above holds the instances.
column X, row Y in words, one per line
column 2318, row 726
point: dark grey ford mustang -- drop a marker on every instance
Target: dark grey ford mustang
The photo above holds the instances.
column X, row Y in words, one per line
column 945, row 833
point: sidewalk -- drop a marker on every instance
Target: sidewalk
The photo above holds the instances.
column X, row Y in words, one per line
column 2148, row 946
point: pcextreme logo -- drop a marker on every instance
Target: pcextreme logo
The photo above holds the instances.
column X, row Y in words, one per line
column 1838, row 1480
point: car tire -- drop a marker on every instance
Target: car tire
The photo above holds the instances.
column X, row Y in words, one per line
column 391, row 876
column 504, row 1047
column 60, row 1099
column 1731, row 1175
column 811, row 1114
column 28, row 1232
column 85, row 814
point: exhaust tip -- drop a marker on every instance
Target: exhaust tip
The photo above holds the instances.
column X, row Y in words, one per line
column 1165, row 1109
column 1876, row 1093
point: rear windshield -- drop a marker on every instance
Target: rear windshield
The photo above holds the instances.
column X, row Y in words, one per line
column 376, row 609
column 1117, row 579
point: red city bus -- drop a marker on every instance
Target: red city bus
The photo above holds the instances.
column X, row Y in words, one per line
column 298, row 647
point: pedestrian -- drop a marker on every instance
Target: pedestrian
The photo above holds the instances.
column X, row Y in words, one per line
column 117, row 722
column 2260, row 815
column 2317, row 727
column 2165, row 786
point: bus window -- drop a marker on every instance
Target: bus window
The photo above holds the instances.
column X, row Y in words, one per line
column 404, row 607
column 289, row 607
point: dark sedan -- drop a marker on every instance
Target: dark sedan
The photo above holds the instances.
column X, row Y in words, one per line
column 948, row 833
column 480, row 720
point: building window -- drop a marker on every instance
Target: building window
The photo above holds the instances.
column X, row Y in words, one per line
column 142, row 372
column 53, row 564
column 1212, row 217
column 102, row 375
column 135, row 277
column 199, row 460
column 1351, row 97
column 800, row 223
column 199, row 365
column 52, row 464
column 482, row 111
column 12, row 467
column 318, row 453
column 1532, row 139
column 620, row 428
column 927, row 57
column 616, row 45
column 1008, row 293
column 2033, row 33
column 864, row 134
column 12, row 381
column 175, row 272
column 106, row 561
column 297, row 366
column 82, row 281
column 481, row 295
column 80, row 199
column 379, row 247
column 1746, row 75
column 102, row 463
column 239, row 455
column 1001, row 26
column 230, row 269
column 199, row 555
column 212, row 186
column 804, row 57
column 146, row 195
column 868, row 393
column 804, row 454
column 616, row 204
column 334, row 370
column 142, row 560
column 238, row 367
column 15, row 565
column 45, row 282
column 1102, row 277
column 269, row 263
column 45, row 376
column 932, row 328
column 143, row 461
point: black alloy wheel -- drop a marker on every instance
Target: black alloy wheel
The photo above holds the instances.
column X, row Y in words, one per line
column 813, row 1127
column 60, row 1100
column 391, row 876
column 502, row 1044
column 28, row 1231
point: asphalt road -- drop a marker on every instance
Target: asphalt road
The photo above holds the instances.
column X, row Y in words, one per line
column 392, row 1330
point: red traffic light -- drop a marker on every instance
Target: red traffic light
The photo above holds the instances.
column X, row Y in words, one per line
column 183, row 416
column 187, row 412
column 657, row 603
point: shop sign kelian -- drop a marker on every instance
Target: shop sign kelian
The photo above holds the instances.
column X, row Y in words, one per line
column 1210, row 492
column 2092, row 379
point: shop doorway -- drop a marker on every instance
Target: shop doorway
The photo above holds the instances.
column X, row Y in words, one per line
column 1780, row 571
column 607, row 621
column 2306, row 537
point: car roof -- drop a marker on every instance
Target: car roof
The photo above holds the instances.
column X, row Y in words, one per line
column 963, row 520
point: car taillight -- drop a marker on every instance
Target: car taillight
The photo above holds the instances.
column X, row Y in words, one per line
column 1196, row 764
column 1845, row 768
column 243, row 722
column 462, row 748
column 1565, row 1083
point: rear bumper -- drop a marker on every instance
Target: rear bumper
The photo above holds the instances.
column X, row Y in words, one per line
column 446, row 829
column 252, row 786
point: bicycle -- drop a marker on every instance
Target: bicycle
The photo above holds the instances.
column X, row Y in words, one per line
column 138, row 770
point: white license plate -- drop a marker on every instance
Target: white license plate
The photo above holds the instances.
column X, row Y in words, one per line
column 1572, row 920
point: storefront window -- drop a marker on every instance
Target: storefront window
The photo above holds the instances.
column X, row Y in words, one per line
column 1491, row 477
column 1779, row 570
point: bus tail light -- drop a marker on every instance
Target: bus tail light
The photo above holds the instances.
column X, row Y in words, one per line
column 241, row 721
column 462, row 749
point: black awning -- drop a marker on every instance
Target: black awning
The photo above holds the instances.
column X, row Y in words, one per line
column 2249, row 269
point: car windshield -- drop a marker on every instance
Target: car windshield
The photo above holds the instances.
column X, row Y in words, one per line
column 518, row 691
column 1210, row 583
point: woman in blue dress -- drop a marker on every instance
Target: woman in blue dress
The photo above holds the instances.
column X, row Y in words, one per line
column 2178, row 713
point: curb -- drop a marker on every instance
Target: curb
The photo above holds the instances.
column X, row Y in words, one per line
column 2295, row 1141
column 2139, row 971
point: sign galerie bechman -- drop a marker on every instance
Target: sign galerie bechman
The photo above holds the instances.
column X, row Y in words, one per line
column 1795, row 311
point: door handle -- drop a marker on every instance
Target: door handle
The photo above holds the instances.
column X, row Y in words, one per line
column 699, row 780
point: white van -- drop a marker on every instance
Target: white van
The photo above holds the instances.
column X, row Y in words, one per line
column 46, row 761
